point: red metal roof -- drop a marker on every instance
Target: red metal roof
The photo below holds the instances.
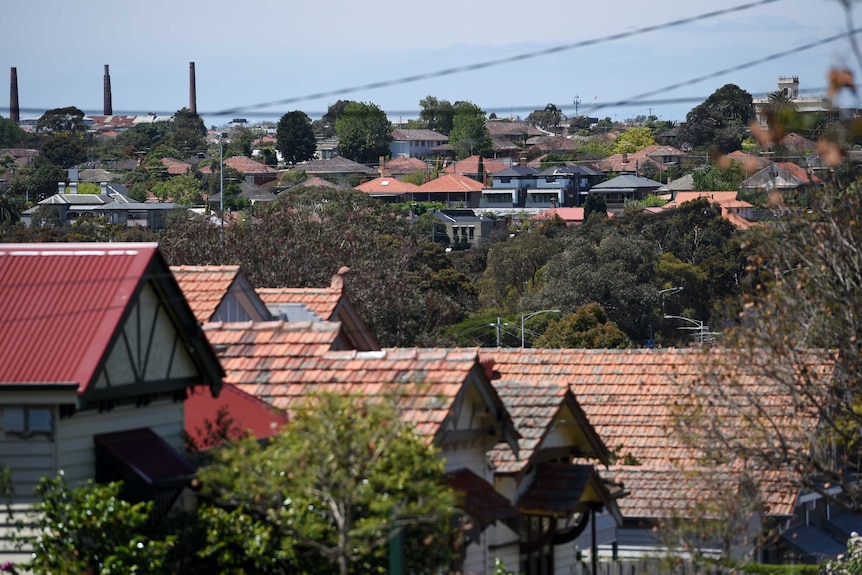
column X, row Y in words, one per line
column 247, row 412
column 59, row 306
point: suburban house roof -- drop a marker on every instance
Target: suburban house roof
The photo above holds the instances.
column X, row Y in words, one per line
column 245, row 165
column 451, row 183
column 176, row 167
column 386, row 186
column 471, row 166
column 246, row 412
column 517, row 172
column 321, row 303
column 284, row 363
column 781, row 176
column 63, row 306
column 627, row 183
column 629, row 397
column 510, row 129
column 570, row 170
column 571, row 216
column 405, row 135
column 554, row 143
column 336, row 165
column 318, row 182
column 402, row 165
column 630, row 162
column 207, row 288
column 504, row 145
column 750, row 162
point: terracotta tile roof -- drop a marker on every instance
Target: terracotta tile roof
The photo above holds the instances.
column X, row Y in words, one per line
column 402, row 165
column 717, row 197
column 321, row 301
column 245, row 165
column 471, row 166
column 176, row 167
column 799, row 173
column 451, row 183
column 509, row 129
column 750, row 162
column 387, row 185
column 318, row 182
column 205, row 287
column 629, row 395
column 630, row 162
column 554, row 143
column 503, row 145
column 282, row 363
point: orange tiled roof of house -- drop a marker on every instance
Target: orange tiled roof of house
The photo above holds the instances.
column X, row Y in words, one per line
column 471, row 166
column 205, row 286
column 569, row 215
column 719, row 197
column 451, row 183
column 402, row 165
column 245, row 165
column 176, row 167
column 799, row 172
column 750, row 162
column 283, row 363
column 386, row 185
column 321, row 301
column 629, row 396
column 630, row 162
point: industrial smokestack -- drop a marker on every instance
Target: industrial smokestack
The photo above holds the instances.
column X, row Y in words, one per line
column 193, row 96
column 109, row 109
column 14, row 111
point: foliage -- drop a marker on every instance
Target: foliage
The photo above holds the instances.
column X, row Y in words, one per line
column 850, row 563
column 184, row 189
column 632, row 140
column 721, row 121
column 10, row 133
column 363, row 132
column 144, row 136
column 90, row 528
column 469, row 136
column 716, row 178
column 64, row 149
column 68, row 119
column 437, row 114
column 327, row 229
column 595, row 204
column 339, row 483
column 549, row 117
column 295, row 138
column 293, row 177
column 325, row 126
column 186, row 132
column 596, row 148
column 588, row 327
column 37, row 181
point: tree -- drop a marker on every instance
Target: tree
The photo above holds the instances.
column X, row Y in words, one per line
column 363, row 132
column 184, row 189
column 340, row 482
column 325, row 126
column 549, row 117
column 187, row 132
column 720, row 121
column 469, row 136
column 64, row 149
column 595, row 204
column 437, row 114
column 632, row 140
column 588, row 327
column 295, row 138
column 716, row 178
column 10, row 133
column 68, row 119
column 91, row 529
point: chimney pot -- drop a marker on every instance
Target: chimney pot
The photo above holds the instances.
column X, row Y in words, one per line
column 73, row 187
column 61, row 187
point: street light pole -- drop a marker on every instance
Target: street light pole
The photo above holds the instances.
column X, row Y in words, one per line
column 528, row 316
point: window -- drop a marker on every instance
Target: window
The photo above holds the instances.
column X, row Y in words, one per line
column 472, row 231
column 26, row 421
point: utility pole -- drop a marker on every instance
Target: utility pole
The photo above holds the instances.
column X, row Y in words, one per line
column 499, row 325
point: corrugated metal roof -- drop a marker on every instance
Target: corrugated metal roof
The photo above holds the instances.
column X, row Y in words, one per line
column 59, row 306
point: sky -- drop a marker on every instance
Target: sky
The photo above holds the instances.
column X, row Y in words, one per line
column 285, row 52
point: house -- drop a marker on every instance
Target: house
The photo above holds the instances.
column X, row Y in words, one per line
column 572, row 216
column 454, row 190
column 251, row 192
column 565, row 185
column 617, row 191
column 401, row 166
column 470, row 167
column 322, row 304
column 510, row 188
column 98, row 353
column 631, row 398
column 220, row 293
column 553, row 482
column 388, row 189
column 444, row 394
column 253, row 172
column 513, row 131
column 465, row 227
column 336, row 167
column 782, row 177
column 788, row 87
column 662, row 157
column 415, row 143
column 738, row 212
column 176, row 167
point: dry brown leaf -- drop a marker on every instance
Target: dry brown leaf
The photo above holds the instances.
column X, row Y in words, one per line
column 831, row 152
column 839, row 78
column 724, row 162
column 763, row 137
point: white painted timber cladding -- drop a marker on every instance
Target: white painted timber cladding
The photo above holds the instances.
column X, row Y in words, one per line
column 76, row 451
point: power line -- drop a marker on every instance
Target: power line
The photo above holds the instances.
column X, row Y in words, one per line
column 496, row 62
column 640, row 98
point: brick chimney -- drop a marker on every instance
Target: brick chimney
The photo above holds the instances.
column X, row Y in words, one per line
column 193, row 95
column 384, row 173
column 14, row 110
column 108, row 108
